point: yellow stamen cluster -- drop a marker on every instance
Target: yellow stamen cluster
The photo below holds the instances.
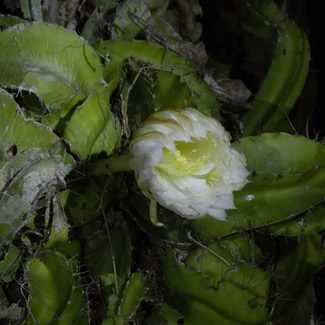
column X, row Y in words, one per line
column 182, row 164
column 187, row 166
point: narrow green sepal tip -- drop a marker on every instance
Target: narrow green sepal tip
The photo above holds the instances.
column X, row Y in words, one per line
column 153, row 214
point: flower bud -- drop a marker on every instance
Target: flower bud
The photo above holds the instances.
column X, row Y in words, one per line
column 183, row 160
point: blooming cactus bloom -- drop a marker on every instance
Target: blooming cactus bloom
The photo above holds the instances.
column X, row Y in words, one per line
column 184, row 161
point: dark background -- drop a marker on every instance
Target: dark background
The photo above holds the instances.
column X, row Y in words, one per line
column 309, row 15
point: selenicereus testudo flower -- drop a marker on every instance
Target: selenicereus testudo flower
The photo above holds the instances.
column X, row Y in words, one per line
column 184, row 161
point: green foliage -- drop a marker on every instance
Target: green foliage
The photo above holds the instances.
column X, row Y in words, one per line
column 32, row 160
column 287, row 74
column 164, row 314
column 49, row 61
column 32, row 9
column 281, row 153
column 7, row 20
column 101, row 129
column 288, row 181
column 132, row 296
column 100, row 249
column 55, row 288
column 77, row 244
column 10, row 263
column 303, row 224
column 298, row 260
column 61, row 72
column 156, row 57
column 208, row 279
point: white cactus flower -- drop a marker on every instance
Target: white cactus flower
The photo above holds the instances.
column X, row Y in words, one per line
column 183, row 160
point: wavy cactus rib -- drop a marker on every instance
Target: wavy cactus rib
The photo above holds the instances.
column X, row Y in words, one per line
column 103, row 259
column 164, row 313
column 150, row 90
column 7, row 20
column 124, row 27
column 10, row 263
column 32, row 160
column 55, row 290
column 161, row 59
column 62, row 70
column 100, row 129
column 289, row 181
column 284, row 80
column 32, row 9
column 50, row 61
column 295, row 86
column 266, row 9
column 96, row 22
column 81, row 202
column 131, row 296
column 304, row 224
column 258, row 17
column 109, row 256
column 281, row 153
column 206, row 284
column 299, row 259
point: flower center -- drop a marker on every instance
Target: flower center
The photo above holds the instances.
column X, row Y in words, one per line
column 185, row 165
column 191, row 159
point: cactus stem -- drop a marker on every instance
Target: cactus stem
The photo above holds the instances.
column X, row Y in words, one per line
column 111, row 165
column 252, row 242
column 189, row 236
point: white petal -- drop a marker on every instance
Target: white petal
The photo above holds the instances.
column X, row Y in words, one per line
column 217, row 214
column 184, row 210
column 223, row 202
column 188, row 195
